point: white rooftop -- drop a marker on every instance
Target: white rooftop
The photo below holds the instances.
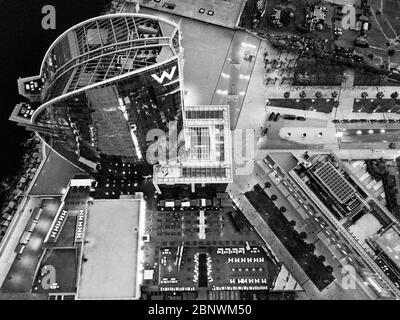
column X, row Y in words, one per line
column 111, row 268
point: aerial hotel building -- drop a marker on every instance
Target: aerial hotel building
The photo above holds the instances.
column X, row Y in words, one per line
column 103, row 84
column 106, row 83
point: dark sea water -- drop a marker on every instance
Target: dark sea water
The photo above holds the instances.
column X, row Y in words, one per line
column 23, row 44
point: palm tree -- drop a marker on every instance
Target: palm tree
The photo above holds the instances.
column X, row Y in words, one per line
column 394, row 95
column 303, row 235
column 329, row 269
column 364, row 95
column 310, row 247
column 286, row 95
column 336, row 104
column 268, row 184
column 302, row 94
column 282, row 209
column 274, row 197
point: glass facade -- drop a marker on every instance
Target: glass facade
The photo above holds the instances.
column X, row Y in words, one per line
column 107, row 82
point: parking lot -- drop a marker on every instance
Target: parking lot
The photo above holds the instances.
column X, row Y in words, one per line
column 173, row 227
column 226, row 238
column 225, row 267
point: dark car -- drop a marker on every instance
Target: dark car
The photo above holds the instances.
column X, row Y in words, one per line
column 301, row 118
column 289, row 117
column 277, row 116
column 271, row 116
column 264, row 131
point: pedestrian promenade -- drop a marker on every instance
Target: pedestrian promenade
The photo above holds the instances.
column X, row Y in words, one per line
column 223, row 13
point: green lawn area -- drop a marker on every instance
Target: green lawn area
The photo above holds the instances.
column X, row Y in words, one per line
column 363, row 78
column 298, row 248
column 320, row 105
column 313, row 72
column 379, row 105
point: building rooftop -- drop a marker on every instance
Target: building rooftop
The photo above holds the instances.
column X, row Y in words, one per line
column 207, row 154
column 334, row 181
column 389, row 241
column 112, row 250
column 133, row 41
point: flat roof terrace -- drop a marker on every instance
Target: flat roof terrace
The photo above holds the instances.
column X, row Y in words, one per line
column 207, row 157
column 54, row 175
column 109, row 267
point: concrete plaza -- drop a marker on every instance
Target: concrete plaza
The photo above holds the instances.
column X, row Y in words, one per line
column 218, row 62
column 224, row 13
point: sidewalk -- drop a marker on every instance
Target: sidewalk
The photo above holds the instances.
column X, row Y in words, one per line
column 236, row 74
column 274, row 243
column 225, row 13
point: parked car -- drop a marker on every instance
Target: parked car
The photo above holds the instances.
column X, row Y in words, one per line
column 271, row 116
column 289, row 117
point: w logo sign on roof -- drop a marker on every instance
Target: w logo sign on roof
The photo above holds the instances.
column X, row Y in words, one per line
column 164, row 75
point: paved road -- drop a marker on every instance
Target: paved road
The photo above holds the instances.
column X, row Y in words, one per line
column 272, row 240
column 344, row 232
column 317, row 229
column 370, row 135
